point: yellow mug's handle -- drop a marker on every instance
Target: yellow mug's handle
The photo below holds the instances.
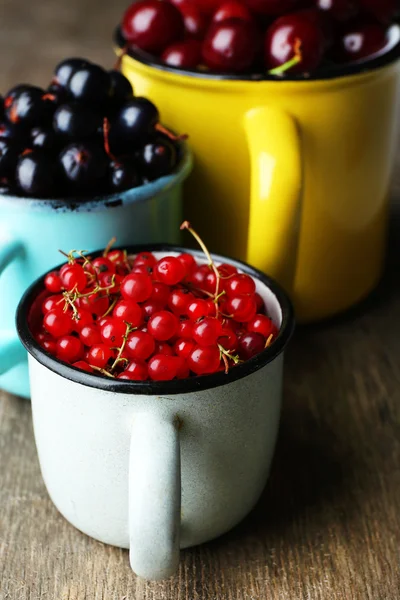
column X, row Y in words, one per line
column 276, row 191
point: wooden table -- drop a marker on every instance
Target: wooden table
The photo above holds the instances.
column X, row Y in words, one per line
column 328, row 524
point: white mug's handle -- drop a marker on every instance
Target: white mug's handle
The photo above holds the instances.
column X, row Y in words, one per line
column 154, row 496
column 11, row 349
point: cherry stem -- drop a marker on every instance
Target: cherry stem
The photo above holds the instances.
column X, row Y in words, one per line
column 128, row 330
column 170, row 135
column 295, row 60
column 109, row 246
column 106, row 131
column 117, row 65
column 186, row 225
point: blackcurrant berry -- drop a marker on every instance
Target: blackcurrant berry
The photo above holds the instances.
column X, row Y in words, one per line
column 121, row 89
column 123, row 175
column 84, row 166
column 157, row 158
column 44, row 137
column 90, row 84
column 27, row 107
column 36, row 174
column 66, row 68
column 8, row 158
column 74, row 120
column 132, row 125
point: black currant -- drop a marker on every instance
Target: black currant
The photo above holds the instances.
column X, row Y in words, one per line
column 122, row 90
column 8, row 157
column 90, row 84
column 123, row 174
column 27, row 107
column 66, row 68
column 13, row 131
column 84, row 166
column 76, row 121
column 36, row 174
column 44, row 137
column 157, row 158
column 132, row 125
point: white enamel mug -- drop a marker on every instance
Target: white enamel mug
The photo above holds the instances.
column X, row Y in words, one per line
column 157, row 466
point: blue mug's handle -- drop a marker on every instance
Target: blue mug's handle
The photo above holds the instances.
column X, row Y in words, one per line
column 154, row 496
column 11, row 349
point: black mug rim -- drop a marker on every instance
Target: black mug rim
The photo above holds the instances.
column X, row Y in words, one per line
column 321, row 74
column 157, row 388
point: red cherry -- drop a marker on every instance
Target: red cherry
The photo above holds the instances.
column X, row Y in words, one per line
column 163, row 325
column 162, row 367
column 240, row 284
column 99, row 355
column 232, row 9
column 341, row 10
column 83, row 366
column 52, row 302
column 250, row 344
column 179, row 301
column 52, row 282
column 230, row 46
column 57, row 322
column 152, row 25
column 136, row 287
column 203, row 360
column 74, row 278
column 382, row 10
column 69, row 348
column 360, row 41
column 140, row 345
column 112, row 332
column 271, row 7
column 128, row 311
column 242, row 308
column 207, row 331
column 263, row 325
column 194, row 20
column 184, row 55
column 90, row 335
column 136, row 371
column 169, row 270
column 291, row 31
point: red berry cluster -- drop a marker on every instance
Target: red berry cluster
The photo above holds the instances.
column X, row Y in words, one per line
column 235, row 36
column 139, row 317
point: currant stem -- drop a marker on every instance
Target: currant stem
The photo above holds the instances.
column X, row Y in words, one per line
column 170, row 135
column 117, row 65
column 295, row 60
column 106, row 131
column 128, row 330
column 109, row 309
column 224, row 354
column 103, row 371
column 109, row 246
column 269, row 340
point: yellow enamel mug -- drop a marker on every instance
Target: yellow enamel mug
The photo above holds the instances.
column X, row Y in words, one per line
column 290, row 175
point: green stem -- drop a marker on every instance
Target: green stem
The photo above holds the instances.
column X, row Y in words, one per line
column 286, row 66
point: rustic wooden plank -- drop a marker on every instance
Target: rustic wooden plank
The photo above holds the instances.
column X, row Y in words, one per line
column 328, row 524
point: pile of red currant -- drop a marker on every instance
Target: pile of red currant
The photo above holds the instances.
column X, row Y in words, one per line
column 143, row 317
column 85, row 135
column 255, row 36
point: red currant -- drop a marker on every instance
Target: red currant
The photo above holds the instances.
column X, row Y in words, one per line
column 145, row 258
column 163, row 348
column 228, row 339
column 99, row 355
column 52, row 282
column 50, row 345
column 112, row 332
column 128, row 311
column 259, row 303
column 207, row 331
column 160, row 293
column 83, row 366
column 198, row 308
column 52, row 302
column 69, row 348
column 74, row 278
column 90, row 335
column 203, row 360
column 226, row 270
column 179, row 300
column 185, row 329
column 169, row 270
column 198, row 275
column 182, row 371
column 263, row 325
column 81, row 318
column 162, row 367
column 57, row 322
column 150, row 307
column 188, row 262
column 136, row 371
column 97, row 303
column 183, row 347
column 103, row 265
column 137, row 287
column 140, row 345
column 118, row 257
column 163, row 325
column 242, row 308
column 240, row 284
column 250, row 344
column 110, row 282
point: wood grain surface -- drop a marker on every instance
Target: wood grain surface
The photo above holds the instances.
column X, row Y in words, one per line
column 328, row 524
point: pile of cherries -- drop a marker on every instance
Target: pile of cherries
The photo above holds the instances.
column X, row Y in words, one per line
column 258, row 36
column 142, row 317
column 86, row 135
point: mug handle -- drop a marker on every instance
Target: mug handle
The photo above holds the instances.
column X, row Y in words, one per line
column 11, row 349
column 154, row 496
column 276, row 192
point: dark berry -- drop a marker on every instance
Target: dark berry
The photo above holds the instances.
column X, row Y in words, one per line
column 121, row 88
column 272, row 8
column 152, row 25
column 340, row 10
column 132, row 125
column 44, row 137
column 36, row 174
column 123, row 175
column 13, row 131
column 90, row 84
column 8, row 158
column 359, row 41
column 231, row 46
column 27, row 107
column 157, row 158
column 84, row 166
column 65, row 69
column 76, row 121
column 13, row 92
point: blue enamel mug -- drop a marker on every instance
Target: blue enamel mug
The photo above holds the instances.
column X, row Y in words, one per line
column 32, row 231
